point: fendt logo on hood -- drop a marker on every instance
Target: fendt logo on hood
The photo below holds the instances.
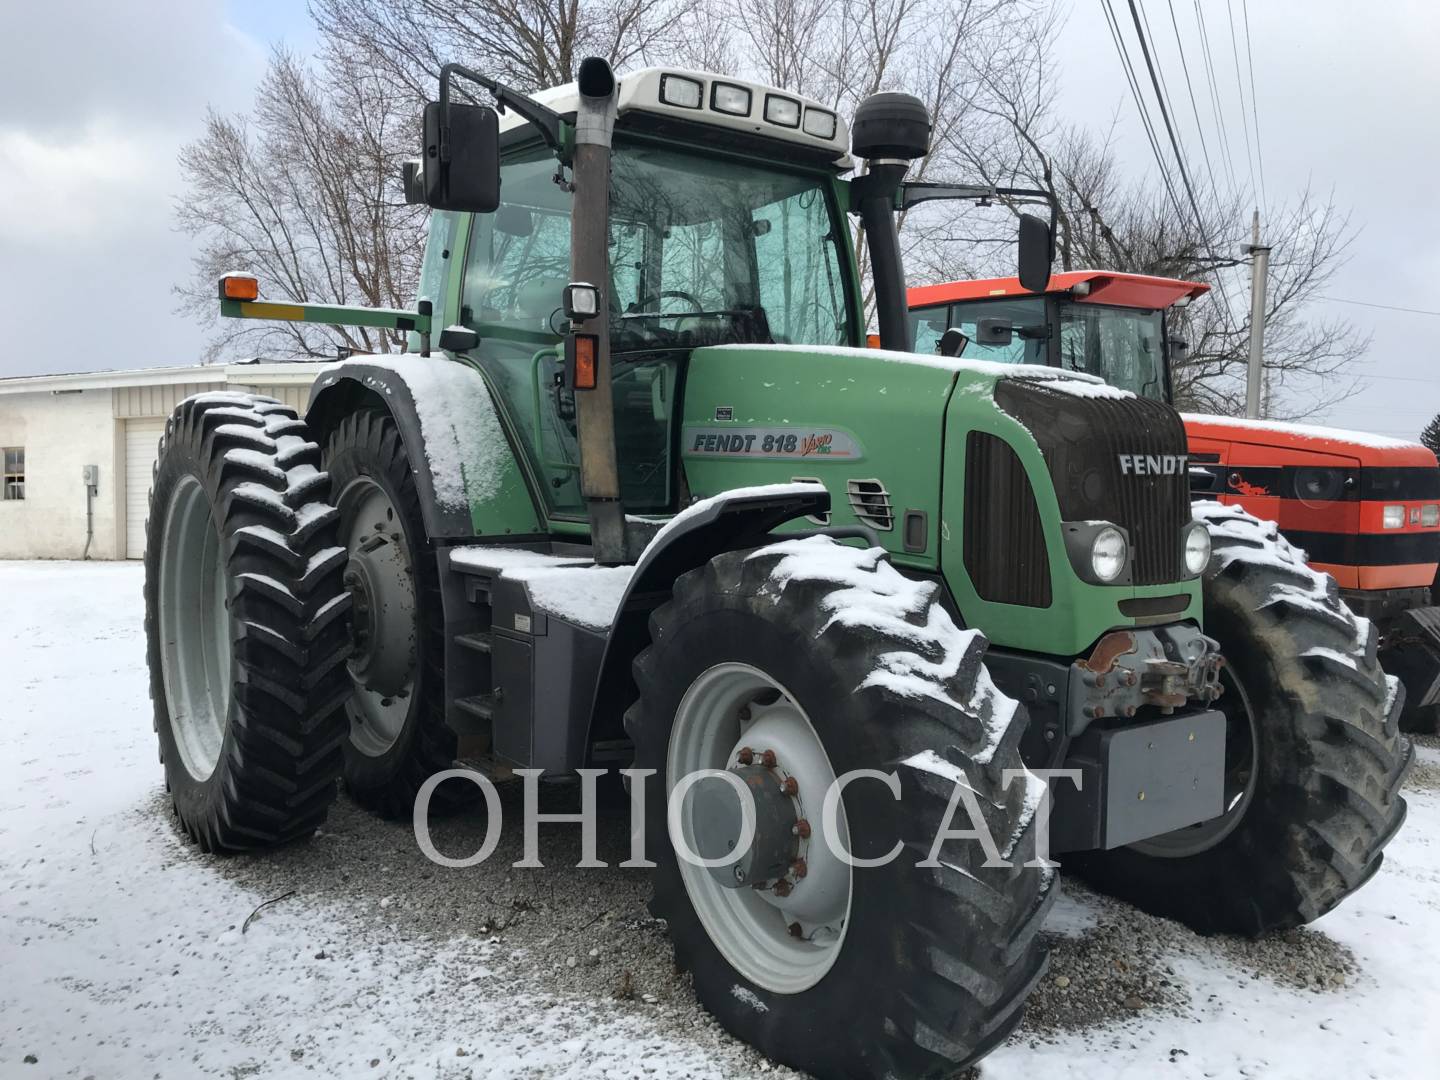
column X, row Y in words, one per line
column 1152, row 464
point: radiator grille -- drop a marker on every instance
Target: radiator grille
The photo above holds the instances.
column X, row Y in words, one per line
column 1083, row 440
column 1004, row 543
column 871, row 503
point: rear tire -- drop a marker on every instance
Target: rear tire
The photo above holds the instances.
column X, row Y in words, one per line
column 1331, row 759
column 245, row 620
column 369, row 468
column 932, row 965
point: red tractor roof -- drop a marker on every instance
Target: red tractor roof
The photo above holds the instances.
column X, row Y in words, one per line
column 1105, row 287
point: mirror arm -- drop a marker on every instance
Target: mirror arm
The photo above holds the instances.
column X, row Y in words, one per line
column 910, row 195
column 546, row 120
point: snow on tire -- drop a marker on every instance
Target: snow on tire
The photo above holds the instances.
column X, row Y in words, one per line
column 1328, row 760
column 931, row 965
column 245, row 619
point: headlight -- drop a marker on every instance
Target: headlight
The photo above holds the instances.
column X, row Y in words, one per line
column 1430, row 514
column 1393, row 517
column 1108, row 553
column 1197, row 548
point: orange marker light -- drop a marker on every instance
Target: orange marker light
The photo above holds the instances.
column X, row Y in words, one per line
column 239, row 287
column 585, row 361
column 872, row 341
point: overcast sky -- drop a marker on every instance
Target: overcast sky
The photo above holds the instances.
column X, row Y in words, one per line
column 1346, row 98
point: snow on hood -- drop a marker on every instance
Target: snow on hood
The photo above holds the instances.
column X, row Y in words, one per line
column 1303, row 431
column 1081, row 388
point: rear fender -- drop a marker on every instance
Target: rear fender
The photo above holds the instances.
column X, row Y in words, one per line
column 465, row 467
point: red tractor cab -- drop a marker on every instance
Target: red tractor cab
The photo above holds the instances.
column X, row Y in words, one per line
column 1366, row 509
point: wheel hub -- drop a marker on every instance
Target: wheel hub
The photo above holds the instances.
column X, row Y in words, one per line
column 774, row 850
column 781, row 921
column 384, row 627
column 382, row 590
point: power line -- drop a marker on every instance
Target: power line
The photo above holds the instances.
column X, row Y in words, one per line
column 1386, row 307
column 1139, row 98
column 1239, row 85
column 1190, row 88
column 1157, row 82
column 1213, row 84
column 1254, row 116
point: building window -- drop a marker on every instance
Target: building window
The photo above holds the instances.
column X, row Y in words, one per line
column 14, row 473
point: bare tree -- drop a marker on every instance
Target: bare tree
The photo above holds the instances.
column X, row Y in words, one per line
column 1106, row 220
column 305, row 194
column 528, row 43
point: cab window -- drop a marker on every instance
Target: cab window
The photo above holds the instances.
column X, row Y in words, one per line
column 1024, row 342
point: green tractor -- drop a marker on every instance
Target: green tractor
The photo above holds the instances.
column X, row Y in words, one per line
column 639, row 496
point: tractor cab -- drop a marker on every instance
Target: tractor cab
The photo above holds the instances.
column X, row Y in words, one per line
column 1110, row 325
column 705, row 246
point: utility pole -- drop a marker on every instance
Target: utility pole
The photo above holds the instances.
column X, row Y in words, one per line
column 1259, row 273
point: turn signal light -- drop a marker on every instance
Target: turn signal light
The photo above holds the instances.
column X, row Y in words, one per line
column 239, row 287
column 583, row 352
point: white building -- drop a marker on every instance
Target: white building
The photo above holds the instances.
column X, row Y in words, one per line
column 53, row 426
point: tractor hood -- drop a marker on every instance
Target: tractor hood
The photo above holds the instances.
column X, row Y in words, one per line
column 1360, row 447
column 870, row 424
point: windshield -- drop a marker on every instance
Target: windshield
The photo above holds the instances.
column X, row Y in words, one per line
column 702, row 251
column 1017, row 332
column 1123, row 346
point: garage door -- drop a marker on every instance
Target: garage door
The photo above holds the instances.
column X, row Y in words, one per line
column 142, row 438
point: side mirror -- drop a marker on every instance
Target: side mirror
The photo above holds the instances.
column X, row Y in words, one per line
column 461, row 168
column 952, row 342
column 1034, row 254
column 994, row 332
column 1178, row 349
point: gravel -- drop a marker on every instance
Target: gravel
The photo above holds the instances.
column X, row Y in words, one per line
column 586, row 934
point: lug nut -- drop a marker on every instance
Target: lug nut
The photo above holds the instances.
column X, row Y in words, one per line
column 768, row 759
column 745, row 756
column 799, row 868
column 801, row 829
column 782, row 888
column 790, row 786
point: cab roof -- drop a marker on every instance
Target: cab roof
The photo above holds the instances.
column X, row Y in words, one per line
column 1104, row 287
column 816, row 125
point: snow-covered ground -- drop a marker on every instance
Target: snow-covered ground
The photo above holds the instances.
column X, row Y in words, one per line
column 123, row 953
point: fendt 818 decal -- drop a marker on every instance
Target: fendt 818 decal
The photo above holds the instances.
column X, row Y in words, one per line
column 772, row 442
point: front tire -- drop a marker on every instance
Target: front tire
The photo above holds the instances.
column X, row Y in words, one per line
column 1327, row 755
column 830, row 655
column 245, row 623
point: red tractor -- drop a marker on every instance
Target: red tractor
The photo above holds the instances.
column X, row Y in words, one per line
column 1366, row 509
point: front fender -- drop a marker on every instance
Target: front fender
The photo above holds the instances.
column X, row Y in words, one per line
column 465, row 466
column 731, row 521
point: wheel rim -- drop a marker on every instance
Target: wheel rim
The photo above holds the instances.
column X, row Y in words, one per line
column 733, row 706
column 195, row 660
column 381, row 581
column 1242, row 741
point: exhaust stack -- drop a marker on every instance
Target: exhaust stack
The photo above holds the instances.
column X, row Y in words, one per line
column 590, row 263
